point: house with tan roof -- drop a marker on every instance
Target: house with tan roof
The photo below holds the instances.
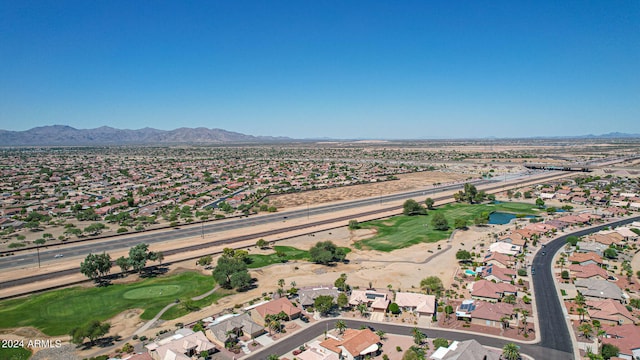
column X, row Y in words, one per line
column 492, row 292
column 610, row 312
column 315, row 351
column 498, row 274
column 274, row 307
column 497, row 259
column 586, row 259
column 423, row 305
column 231, row 328
column 378, row 301
column 181, row 347
column 590, row 271
column 354, row 344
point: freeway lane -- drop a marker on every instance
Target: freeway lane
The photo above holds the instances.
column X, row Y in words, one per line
column 24, row 259
column 317, row 329
column 553, row 327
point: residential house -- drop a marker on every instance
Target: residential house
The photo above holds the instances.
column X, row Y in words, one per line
column 498, row 274
column 306, row 296
column 599, row 289
column 626, row 338
column 465, row 350
column 586, row 259
column 592, row 246
column 378, row 301
column 423, row 305
column 497, row 259
column 489, row 291
column 505, row 248
column 274, row 307
column 231, row 328
column 610, row 312
column 492, row 313
column 590, row 271
column 354, row 344
column 181, row 346
column 316, row 352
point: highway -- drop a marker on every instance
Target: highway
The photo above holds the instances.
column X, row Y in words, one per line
column 23, row 259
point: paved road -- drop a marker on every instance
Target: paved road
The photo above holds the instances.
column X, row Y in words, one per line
column 317, row 329
column 553, row 327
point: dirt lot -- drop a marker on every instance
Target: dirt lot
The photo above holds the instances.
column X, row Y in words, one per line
column 406, row 182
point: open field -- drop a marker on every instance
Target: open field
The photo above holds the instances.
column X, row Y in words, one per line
column 57, row 312
column 403, row 231
column 289, row 253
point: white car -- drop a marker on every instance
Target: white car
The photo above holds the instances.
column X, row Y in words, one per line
column 58, row 256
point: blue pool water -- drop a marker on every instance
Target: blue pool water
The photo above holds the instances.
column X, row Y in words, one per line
column 470, row 272
column 500, row 218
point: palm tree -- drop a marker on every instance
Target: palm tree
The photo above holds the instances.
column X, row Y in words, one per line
column 274, row 325
column 418, row 336
column 281, row 283
column 273, row 357
column 505, row 321
column 579, row 299
column 381, row 334
column 524, row 313
column 362, row 308
column 586, row 330
column 581, row 312
column 511, row 351
column 341, row 326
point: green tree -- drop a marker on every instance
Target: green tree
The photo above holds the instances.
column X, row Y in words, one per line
column 341, row 282
column 539, row 203
column 342, row 301
column 354, row 224
column 262, row 244
column 324, row 304
column 429, row 203
column 205, row 260
column 227, row 268
column 394, row 308
column 138, row 256
column 95, row 266
column 439, row 222
column 609, row 351
column 341, row 326
column 362, row 309
column 418, row 336
column 273, row 357
column 432, row 284
column 95, row 229
column 510, row 351
column 463, row 255
column 470, row 193
column 440, row 342
column 610, row 253
column 39, row 241
column 414, row 353
column 412, row 207
column 482, row 219
column 586, row 329
column 326, row 252
column 123, row 263
column 460, row 223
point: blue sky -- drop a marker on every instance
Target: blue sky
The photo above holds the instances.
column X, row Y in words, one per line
column 340, row 69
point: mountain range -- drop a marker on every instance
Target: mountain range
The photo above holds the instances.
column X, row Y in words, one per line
column 62, row 135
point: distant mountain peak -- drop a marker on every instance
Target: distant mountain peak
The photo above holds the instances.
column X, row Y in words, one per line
column 64, row 135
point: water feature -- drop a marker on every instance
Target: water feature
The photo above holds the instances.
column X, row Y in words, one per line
column 501, row 218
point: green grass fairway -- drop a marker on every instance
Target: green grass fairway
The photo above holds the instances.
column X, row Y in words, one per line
column 15, row 353
column 291, row 253
column 402, row 231
column 57, row 312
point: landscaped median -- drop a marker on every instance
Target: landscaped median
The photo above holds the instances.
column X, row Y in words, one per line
column 57, row 312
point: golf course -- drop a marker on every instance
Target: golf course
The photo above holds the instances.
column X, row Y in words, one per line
column 403, row 231
column 57, row 312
